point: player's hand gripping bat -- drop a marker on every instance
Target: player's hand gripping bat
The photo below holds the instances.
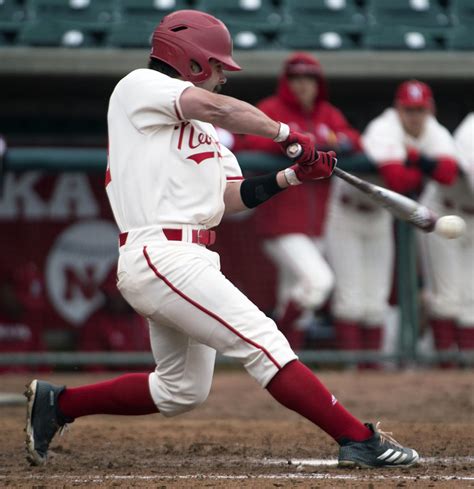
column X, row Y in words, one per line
column 400, row 206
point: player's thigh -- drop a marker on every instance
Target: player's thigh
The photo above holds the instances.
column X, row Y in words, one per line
column 345, row 254
column 184, row 369
column 302, row 260
column 285, row 279
column 442, row 267
column 466, row 259
column 210, row 309
column 179, row 356
column 378, row 274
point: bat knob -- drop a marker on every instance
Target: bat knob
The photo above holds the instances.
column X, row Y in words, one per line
column 294, row 150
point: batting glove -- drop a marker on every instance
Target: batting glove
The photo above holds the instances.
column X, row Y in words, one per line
column 322, row 167
column 308, row 150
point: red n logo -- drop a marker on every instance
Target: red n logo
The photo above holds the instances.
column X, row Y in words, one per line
column 82, row 280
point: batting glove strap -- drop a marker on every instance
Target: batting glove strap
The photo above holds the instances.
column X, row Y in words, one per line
column 283, row 133
column 291, row 177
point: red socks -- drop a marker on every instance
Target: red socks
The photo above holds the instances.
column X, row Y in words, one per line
column 298, row 389
column 444, row 333
column 371, row 340
column 348, row 335
column 465, row 337
column 287, row 325
column 128, row 394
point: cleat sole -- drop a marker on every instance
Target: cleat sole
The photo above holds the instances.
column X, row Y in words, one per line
column 33, row 457
column 350, row 464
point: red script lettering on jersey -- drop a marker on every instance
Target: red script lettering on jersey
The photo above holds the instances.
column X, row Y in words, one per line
column 196, row 139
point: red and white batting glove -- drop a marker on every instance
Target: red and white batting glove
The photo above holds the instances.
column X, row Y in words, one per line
column 286, row 137
column 320, row 168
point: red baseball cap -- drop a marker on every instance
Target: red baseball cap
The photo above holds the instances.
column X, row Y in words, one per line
column 414, row 93
column 303, row 64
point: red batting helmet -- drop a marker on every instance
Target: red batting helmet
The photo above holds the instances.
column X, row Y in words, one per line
column 414, row 93
column 190, row 35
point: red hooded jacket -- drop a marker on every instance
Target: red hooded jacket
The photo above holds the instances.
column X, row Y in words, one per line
column 301, row 209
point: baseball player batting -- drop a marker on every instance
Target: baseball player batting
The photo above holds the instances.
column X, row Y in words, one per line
column 169, row 182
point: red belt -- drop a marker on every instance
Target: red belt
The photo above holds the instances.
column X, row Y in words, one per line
column 357, row 205
column 205, row 237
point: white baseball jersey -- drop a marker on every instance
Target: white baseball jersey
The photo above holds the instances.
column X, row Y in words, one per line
column 162, row 169
column 464, row 138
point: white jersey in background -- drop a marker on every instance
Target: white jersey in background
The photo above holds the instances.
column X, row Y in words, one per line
column 163, row 170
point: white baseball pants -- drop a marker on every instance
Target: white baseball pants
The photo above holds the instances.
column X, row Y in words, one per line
column 193, row 310
column 361, row 253
column 449, row 273
column 303, row 274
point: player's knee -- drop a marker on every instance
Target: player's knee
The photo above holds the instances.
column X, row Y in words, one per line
column 183, row 402
column 173, row 400
column 313, row 293
column 441, row 307
column 375, row 314
column 347, row 310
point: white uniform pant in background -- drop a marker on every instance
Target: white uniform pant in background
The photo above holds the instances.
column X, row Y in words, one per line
column 303, row 274
column 360, row 250
column 194, row 310
column 448, row 267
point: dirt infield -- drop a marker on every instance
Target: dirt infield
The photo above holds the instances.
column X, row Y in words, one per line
column 242, row 438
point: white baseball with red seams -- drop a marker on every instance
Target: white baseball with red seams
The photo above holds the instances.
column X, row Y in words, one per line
column 167, row 173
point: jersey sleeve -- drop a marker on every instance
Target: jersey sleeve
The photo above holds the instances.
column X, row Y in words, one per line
column 151, row 99
column 440, row 142
column 232, row 169
column 464, row 139
column 383, row 142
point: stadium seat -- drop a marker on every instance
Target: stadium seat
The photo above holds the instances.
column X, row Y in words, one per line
column 399, row 38
column 416, row 13
column 131, row 34
column 258, row 15
column 84, row 13
column 339, row 15
column 248, row 39
column 462, row 12
column 315, row 39
column 460, row 38
column 148, row 10
column 56, row 34
column 12, row 15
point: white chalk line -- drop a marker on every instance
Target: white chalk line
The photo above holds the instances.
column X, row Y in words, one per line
column 117, row 477
column 297, row 463
column 322, row 462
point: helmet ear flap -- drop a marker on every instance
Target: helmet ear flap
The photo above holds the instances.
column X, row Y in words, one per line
column 195, row 67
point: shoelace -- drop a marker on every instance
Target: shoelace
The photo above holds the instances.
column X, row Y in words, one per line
column 386, row 436
column 63, row 429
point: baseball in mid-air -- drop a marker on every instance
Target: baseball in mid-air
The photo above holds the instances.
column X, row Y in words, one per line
column 450, row 227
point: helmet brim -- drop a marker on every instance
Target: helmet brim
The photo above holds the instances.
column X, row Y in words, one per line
column 229, row 64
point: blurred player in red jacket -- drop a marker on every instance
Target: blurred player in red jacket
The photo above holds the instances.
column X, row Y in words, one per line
column 115, row 326
column 21, row 313
column 292, row 224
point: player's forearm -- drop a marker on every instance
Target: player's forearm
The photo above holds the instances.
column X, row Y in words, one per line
column 253, row 195
column 227, row 112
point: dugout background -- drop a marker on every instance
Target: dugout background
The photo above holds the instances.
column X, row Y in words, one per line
column 56, row 98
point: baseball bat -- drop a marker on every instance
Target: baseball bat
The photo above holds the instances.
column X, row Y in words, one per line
column 398, row 205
